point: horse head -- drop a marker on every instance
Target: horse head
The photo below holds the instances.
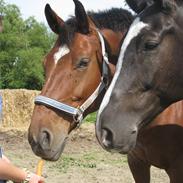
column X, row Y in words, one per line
column 148, row 77
column 77, row 69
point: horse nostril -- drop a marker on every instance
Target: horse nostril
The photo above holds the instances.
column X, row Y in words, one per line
column 45, row 139
column 107, row 137
column 134, row 131
column 32, row 140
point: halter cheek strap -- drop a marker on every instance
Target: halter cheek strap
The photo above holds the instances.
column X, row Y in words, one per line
column 77, row 113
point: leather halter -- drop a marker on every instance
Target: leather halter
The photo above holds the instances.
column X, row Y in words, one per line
column 77, row 113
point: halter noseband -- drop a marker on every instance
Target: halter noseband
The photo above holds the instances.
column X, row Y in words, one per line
column 77, row 113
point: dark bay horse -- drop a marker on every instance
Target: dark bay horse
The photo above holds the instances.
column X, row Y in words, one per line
column 160, row 142
column 87, row 48
column 148, row 77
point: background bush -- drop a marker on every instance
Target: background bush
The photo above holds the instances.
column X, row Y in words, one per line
column 23, row 44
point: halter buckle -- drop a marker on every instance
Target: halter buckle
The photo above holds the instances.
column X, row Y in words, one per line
column 78, row 117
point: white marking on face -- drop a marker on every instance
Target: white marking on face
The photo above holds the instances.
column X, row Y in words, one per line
column 63, row 50
column 134, row 30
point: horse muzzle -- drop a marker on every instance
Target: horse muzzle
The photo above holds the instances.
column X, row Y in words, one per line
column 113, row 139
column 44, row 146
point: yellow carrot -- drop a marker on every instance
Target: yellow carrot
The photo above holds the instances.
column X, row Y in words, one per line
column 40, row 167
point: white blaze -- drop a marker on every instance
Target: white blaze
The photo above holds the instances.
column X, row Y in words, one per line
column 63, row 50
column 134, row 30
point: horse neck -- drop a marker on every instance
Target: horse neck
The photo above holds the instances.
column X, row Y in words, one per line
column 173, row 115
column 113, row 40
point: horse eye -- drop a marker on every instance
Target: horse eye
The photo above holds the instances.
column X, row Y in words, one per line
column 83, row 63
column 150, row 45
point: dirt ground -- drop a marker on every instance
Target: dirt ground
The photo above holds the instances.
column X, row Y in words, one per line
column 83, row 160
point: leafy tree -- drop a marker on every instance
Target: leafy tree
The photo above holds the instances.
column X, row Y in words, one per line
column 23, row 45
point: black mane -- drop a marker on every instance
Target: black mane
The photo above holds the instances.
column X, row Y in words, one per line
column 139, row 5
column 116, row 19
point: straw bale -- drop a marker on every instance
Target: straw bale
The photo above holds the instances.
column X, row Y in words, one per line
column 17, row 107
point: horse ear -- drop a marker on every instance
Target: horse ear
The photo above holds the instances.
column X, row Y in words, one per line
column 81, row 17
column 168, row 6
column 138, row 5
column 92, row 23
column 54, row 21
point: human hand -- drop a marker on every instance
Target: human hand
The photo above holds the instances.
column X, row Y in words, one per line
column 35, row 178
column 4, row 158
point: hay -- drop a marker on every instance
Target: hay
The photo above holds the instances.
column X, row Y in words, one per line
column 17, row 107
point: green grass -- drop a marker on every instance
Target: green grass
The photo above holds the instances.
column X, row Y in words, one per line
column 82, row 161
column 87, row 160
column 91, row 118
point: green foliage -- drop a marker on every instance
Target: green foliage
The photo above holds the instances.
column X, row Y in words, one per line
column 90, row 118
column 87, row 160
column 23, row 45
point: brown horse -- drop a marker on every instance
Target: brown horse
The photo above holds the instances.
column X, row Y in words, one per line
column 160, row 144
column 87, row 48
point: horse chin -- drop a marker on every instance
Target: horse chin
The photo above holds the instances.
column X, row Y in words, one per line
column 49, row 157
column 122, row 147
column 55, row 156
column 119, row 149
column 126, row 149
